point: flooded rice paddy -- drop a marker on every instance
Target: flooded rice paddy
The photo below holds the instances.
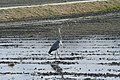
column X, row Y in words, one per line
column 91, row 49
column 96, row 57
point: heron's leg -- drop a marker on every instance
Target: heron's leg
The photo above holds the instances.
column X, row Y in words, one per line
column 55, row 55
column 58, row 54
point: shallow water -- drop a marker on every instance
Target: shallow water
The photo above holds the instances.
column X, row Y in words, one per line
column 96, row 57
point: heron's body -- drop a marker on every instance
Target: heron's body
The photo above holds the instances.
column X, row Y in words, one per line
column 55, row 46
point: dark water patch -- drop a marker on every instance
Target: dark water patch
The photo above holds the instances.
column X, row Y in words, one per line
column 5, row 73
column 6, row 42
column 109, row 59
column 118, row 44
column 8, row 62
column 93, row 53
column 25, row 58
column 114, row 70
column 67, row 78
column 10, row 45
column 111, row 64
column 72, row 58
column 59, row 62
column 113, row 51
column 43, row 58
column 109, row 38
column 81, row 74
column 64, row 73
column 11, row 64
column 45, row 63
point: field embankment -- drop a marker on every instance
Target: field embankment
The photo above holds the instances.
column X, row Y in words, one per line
column 53, row 11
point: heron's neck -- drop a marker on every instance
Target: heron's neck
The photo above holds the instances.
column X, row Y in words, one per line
column 60, row 37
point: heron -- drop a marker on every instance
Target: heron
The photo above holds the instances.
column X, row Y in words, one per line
column 56, row 45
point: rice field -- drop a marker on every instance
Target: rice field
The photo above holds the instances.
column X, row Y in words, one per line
column 90, row 51
column 94, row 57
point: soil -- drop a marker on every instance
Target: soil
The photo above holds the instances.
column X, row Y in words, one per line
column 72, row 26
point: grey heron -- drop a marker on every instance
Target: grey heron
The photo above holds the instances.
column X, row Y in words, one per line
column 56, row 45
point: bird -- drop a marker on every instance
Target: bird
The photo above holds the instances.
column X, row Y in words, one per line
column 55, row 47
column 57, row 44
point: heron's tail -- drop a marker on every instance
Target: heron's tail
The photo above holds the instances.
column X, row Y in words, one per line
column 49, row 51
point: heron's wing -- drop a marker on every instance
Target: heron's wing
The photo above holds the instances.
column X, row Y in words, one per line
column 55, row 46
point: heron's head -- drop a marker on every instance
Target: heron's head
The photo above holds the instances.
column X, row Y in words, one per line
column 60, row 43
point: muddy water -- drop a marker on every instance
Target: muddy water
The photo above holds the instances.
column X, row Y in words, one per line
column 96, row 57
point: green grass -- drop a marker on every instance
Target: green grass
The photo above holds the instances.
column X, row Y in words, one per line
column 59, row 10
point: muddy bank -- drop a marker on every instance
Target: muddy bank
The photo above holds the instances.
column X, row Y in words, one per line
column 57, row 9
column 72, row 28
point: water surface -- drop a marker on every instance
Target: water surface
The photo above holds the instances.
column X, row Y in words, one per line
column 96, row 57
